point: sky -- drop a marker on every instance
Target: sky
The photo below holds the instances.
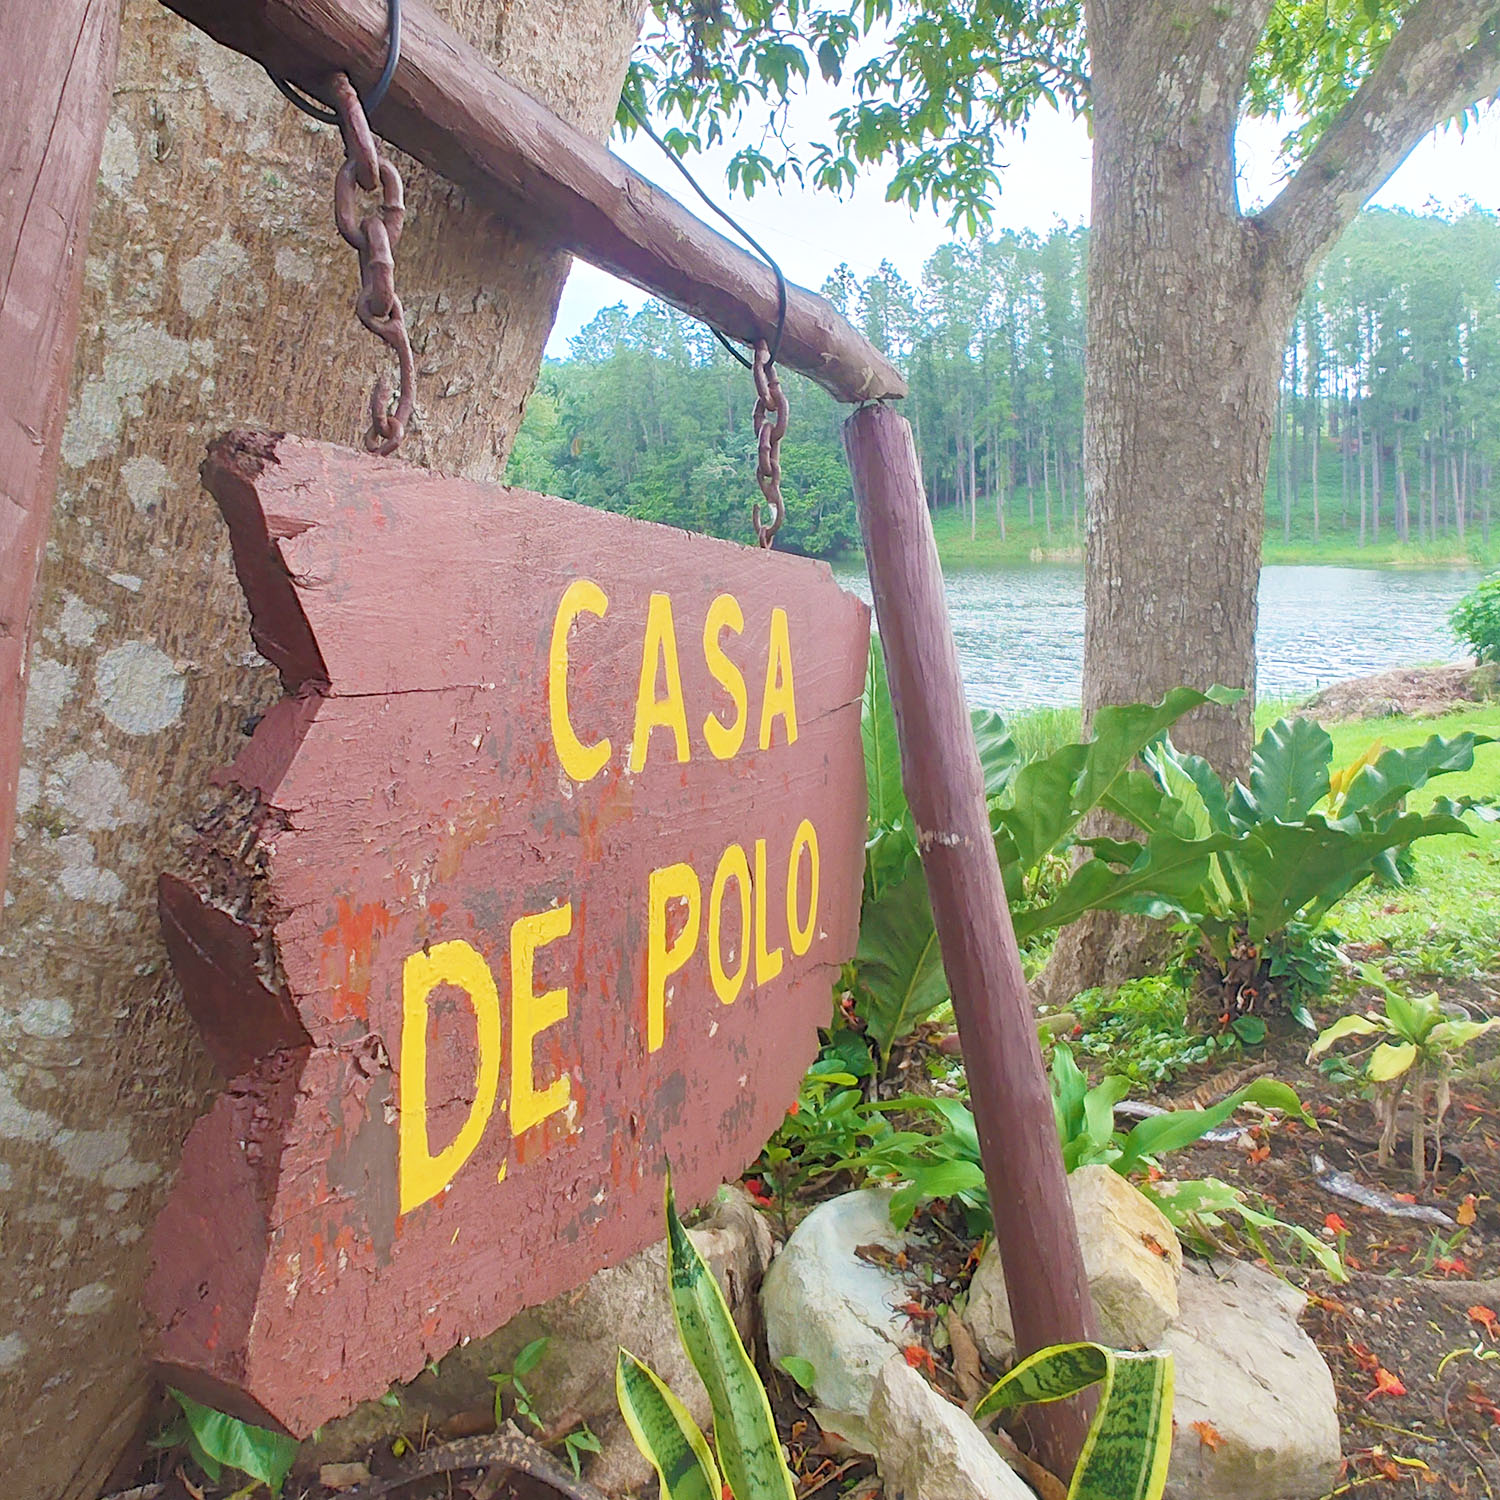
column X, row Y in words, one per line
column 1045, row 180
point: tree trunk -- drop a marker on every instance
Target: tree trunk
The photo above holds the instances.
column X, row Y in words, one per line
column 1180, row 400
column 216, row 294
column 1403, row 502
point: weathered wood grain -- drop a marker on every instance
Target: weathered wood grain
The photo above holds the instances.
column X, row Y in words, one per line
column 451, row 109
column 1034, row 1229
column 413, row 799
column 54, row 103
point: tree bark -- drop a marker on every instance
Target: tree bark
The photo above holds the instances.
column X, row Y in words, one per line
column 1189, row 307
column 216, row 293
column 52, row 118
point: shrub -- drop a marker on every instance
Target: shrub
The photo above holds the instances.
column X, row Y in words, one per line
column 1475, row 620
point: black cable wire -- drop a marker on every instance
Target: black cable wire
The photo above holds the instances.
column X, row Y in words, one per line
column 370, row 103
column 739, row 229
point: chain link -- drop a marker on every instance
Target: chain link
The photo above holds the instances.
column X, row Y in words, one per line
column 374, row 237
column 770, row 427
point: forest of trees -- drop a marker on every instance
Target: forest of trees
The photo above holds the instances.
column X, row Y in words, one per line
column 1389, row 418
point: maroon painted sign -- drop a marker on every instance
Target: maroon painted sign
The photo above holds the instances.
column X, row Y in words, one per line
column 539, row 875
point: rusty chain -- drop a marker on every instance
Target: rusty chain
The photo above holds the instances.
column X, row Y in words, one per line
column 770, row 427
column 374, row 237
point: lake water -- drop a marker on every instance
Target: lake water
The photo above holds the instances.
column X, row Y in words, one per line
column 1020, row 629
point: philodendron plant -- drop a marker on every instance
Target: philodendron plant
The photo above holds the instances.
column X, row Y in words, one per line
column 1413, row 1056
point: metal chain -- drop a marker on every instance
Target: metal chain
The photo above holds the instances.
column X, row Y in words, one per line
column 374, row 237
column 770, row 427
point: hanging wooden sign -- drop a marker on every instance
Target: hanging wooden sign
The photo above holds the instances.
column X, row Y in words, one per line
column 539, row 875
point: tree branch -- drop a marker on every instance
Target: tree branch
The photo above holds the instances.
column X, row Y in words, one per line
column 1445, row 57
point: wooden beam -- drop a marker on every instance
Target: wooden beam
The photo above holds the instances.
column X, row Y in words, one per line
column 448, row 107
column 1023, row 1167
column 54, row 105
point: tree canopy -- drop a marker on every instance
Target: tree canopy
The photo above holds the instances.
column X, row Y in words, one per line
column 932, row 89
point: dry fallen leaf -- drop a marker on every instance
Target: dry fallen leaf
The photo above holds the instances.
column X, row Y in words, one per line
column 343, row 1476
column 1467, row 1212
column 1209, row 1435
column 1386, row 1384
column 966, row 1369
column 1486, row 1316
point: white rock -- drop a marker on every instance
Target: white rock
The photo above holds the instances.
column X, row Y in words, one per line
column 1130, row 1255
column 1247, row 1370
column 927, row 1449
column 824, row 1304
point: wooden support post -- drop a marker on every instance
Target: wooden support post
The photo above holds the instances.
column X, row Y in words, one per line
column 54, row 104
column 1023, row 1168
column 449, row 108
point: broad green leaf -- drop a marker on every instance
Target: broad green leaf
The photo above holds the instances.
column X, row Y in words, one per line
column 1378, row 789
column 943, row 1179
column 1069, row 1089
column 1129, row 1442
column 665, row 1432
column 1344, row 1026
column 256, row 1451
column 1181, row 1127
column 1451, row 1034
column 801, row 1370
column 1099, row 1108
column 998, row 755
column 877, row 727
column 531, row 1356
column 1390, row 1061
column 900, row 967
column 1167, row 877
column 1206, row 803
column 1287, row 869
column 744, row 1431
column 1288, row 774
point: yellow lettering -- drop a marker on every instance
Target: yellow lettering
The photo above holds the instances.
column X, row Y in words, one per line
column 779, row 700
column 767, row 964
column 581, row 762
column 658, row 655
column 531, row 1014
column 732, row 866
column 663, row 959
column 423, row 1175
column 801, row 934
column 724, row 740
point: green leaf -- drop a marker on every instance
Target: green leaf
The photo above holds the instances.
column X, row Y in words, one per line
column 877, row 727
column 1390, row 1061
column 531, row 1356
column 744, row 1431
column 256, row 1451
column 664, row 1431
column 1129, row 1442
column 1099, row 1109
column 1452, row 1034
column 1181, row 1127
column 1251, row 1030
column 900, row 967
column 801, row 1370
column 999, row 755
column 1379, row 789
column 1288, row 774
column 1344, row 1026
column 943, row 1179
column 1053, row 794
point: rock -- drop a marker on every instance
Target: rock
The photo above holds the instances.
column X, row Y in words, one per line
column 824, row 1304
column 1257, row 1385
column 927, row 1449
column 1130, row 1255
column 625, row 1304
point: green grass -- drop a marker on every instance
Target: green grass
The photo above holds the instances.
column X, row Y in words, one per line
column 1337, row 543
column 1446, row 920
